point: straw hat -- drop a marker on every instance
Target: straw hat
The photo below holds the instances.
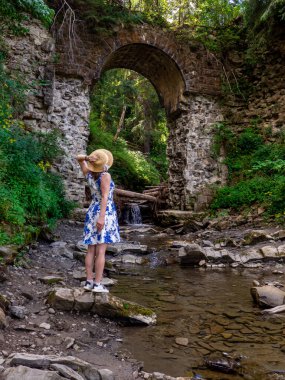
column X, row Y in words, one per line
column 110, row 157
column 104, row 160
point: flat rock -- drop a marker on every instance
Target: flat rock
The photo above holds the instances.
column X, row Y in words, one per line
column 174, row 217
column 269, row 252
column 281, row 250
column 26, row 373
column 103, row 304
column 51, row 279
column 279, row 235
column 44, row 361
column 122, row 247
column 61, row 248
column 127, row 248
column 251, row 254
column 66, row 372
column 130, row 259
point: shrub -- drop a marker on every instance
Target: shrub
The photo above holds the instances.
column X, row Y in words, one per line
column 132, row 170
column 31, row 196
column 256, row 170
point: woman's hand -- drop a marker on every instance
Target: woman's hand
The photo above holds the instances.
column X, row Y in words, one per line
column 80, row 157
column 93, row 159
column 100, row 223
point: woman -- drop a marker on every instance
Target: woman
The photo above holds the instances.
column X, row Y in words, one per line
column 101, row 223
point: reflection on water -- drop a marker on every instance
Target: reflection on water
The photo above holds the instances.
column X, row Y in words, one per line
column 214, row 310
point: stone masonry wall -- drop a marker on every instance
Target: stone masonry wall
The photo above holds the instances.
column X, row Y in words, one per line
column 202, row 169
column 265, row 105
column 69, row 113
column 61, row 103
column 193, row 168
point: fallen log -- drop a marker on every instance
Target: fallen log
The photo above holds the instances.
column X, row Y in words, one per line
column 134, row 195
column 154, row 189
column 152, row 194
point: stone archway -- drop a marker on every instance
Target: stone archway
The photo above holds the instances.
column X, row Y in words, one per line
column 158, row 67
column 187, row 80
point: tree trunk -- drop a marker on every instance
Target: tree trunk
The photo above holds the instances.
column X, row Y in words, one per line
column 121, row 122
column 132, row 194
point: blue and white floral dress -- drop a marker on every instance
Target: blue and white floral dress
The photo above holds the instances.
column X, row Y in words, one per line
column 110, row 232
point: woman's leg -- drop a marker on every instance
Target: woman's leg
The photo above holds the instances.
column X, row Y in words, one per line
column 89, row 262
column 100, row 262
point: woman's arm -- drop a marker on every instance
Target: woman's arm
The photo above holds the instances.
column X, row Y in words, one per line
column 82, row 162
column 105, row 188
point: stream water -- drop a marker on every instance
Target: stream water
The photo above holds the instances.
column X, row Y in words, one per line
column 213, row 309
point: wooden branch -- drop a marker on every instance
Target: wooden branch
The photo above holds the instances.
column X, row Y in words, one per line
column 134, row 195
column 273, row 310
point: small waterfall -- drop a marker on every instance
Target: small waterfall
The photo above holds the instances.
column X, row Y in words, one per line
column 132, row 214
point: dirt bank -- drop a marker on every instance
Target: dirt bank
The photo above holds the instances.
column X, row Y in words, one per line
column 37, row 328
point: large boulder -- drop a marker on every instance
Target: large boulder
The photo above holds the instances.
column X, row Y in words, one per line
column 268, row 296
column 251, row 254
column 132, row 313
column 174, row 217
column 8, row 253
column 103, row 304
column 221, row 255
column 62, row 298
column 256, row 236
column 191, row 254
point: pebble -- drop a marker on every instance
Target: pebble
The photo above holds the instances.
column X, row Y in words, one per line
column 182, row 341
column 51, row 310
column 45, row 326
column 69, row 342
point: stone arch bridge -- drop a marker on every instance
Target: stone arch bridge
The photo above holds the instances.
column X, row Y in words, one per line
column 187, row 80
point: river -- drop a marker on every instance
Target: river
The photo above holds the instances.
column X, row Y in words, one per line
column 212, row 309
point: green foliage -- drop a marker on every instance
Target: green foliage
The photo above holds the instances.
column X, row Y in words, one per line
column 131, row 170
column 37, row 8
column 15, row 12
column 256, row 169
column 258, row 13
column 144, row 122
column 30, row 194
column 261, row 19
column 212, row 22
column 105, row 15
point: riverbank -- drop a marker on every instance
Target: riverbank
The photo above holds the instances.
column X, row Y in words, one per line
column 33, row 327
column 195, row 319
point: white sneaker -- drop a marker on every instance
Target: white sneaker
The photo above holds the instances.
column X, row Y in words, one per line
column 88, row 285
column 99, row 289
